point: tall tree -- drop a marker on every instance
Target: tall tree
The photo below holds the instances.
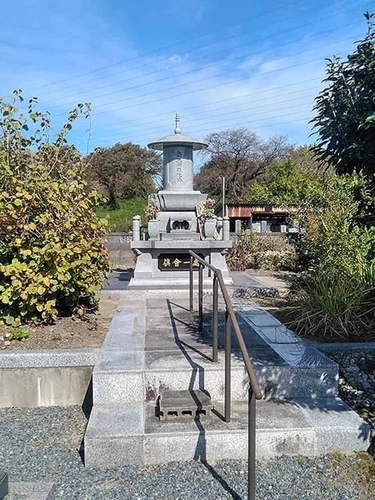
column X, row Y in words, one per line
column 294, row 180
column 240, row 156
column 124, row 171
column 345, row 109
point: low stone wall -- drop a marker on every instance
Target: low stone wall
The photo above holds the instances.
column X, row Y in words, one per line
column 49, row 378
column 120, row 253
column 34, row 387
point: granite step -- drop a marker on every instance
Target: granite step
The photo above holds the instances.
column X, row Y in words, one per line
column 124, row 377
column 158, row 347
column 176, row 371
column 133, row 434
column 154, row 345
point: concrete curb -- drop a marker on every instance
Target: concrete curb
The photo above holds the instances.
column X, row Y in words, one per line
column 344, row 346
column 46, row 378
column 49, row 358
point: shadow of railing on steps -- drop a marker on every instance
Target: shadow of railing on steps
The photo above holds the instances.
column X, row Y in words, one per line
column 231, row 323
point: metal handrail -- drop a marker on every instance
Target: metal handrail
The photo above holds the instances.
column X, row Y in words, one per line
column 230, row 322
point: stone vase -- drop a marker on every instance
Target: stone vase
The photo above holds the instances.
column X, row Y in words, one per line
column 153, row 229
column 209, row 228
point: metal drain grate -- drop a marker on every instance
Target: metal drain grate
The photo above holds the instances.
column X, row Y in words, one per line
column 183, row 405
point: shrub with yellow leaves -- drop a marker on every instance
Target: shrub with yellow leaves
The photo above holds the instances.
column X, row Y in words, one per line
column 52, row 256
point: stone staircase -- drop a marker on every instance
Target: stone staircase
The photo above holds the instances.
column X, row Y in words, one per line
column 154, row 345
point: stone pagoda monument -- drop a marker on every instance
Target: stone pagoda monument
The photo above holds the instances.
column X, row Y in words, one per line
column 181, row 219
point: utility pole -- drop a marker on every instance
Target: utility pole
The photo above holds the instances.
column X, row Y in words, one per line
column 223, row 198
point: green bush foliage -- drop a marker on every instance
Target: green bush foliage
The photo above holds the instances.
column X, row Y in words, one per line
column 330, row 232
column 123, row 171
column 20, row 334
column 292, row 181
column 52, row 258
column 262, row 251
column 120, row 219
column 344, row 110
column 336, row 294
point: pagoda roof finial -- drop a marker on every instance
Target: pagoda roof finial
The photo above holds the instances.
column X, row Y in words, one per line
column 177, row 139
column 177, row 129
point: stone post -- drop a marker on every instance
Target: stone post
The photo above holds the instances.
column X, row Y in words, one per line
column 136, row 228
column 220, row 227
column 226, row 235
column 238, row 226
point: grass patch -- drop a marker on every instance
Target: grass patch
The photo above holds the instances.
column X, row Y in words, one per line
column 356, row 470
column 20, row 334
column 120, row 219
column 332, row 303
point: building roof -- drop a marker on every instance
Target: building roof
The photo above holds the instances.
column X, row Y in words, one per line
column 249, row 209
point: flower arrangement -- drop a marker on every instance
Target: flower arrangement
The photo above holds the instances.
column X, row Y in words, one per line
column 152, row 210
column 206, row 210
column 206, row 218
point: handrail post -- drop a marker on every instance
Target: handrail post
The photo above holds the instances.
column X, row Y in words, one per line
column 215, row 320
column 191, row 284
column 230, row 323
column 251, row 473
column 227, row 402
column 200, row 287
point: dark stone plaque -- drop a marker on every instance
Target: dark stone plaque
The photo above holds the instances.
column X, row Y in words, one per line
column 176, row 262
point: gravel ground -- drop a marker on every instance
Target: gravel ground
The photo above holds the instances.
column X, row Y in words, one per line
column 41, row 444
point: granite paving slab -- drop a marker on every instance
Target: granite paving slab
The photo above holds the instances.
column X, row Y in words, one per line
column 244, row 280
column 49, row 358
column 270, row 415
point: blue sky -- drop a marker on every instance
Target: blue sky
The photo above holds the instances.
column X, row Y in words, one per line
column 220, row 64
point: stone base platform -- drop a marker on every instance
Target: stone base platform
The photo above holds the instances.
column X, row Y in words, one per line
column 155, row 266
column 155, row 345
column 131, row 434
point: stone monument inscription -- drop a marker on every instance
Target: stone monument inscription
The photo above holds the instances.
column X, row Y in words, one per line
column 177, row 262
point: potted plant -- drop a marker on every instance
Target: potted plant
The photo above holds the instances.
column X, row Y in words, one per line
column 152, row 212
column 207, row 218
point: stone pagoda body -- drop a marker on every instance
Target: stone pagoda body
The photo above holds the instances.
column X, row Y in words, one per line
column 163, row 255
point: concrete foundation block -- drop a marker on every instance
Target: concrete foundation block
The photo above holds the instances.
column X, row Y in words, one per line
column 115, row 388
column 271, row 443
column 114, row 452
column 337, row 426
column 114, row 436
column 39, row 490
column 51, row 386
column 223, row 445
column 275, row 382
column 4, row 488
column 175, row 356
